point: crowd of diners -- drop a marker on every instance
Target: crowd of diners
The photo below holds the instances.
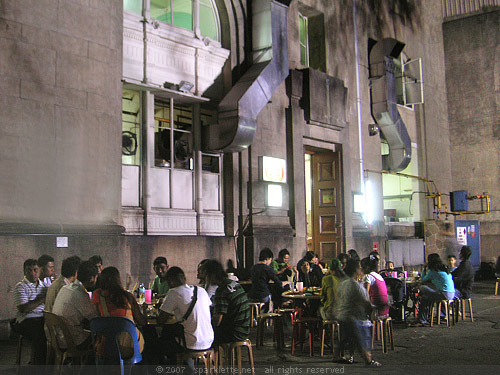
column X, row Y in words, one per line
column 217, row 310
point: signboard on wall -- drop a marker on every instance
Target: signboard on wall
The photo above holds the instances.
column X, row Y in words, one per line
column 272, row 169
column 462, row 236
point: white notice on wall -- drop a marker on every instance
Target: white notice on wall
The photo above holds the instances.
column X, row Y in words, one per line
column 462, row 235
column 62, row 242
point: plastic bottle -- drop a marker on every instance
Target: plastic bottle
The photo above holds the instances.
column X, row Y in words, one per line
column 142, row 291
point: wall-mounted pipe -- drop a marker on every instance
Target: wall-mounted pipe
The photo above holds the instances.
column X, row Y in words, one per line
column 384, row 104
column 239, row 109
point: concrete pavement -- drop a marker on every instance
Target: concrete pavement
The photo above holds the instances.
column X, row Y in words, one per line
column 467, row 348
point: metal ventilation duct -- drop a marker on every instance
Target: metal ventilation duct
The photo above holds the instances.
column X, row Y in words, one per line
column 384, row 104
column 239, row 109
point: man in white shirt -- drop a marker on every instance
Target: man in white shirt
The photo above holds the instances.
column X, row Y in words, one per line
column 29, row 298
column 47, row 269
column 198, row 330
column 74, row 306
column 69, row 270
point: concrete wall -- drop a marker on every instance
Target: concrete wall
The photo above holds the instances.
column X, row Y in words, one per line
column 472, row 51
column 132, row 255
column 60, row 116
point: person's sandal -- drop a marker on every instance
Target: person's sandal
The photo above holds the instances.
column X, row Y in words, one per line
column 349, row 360
column 374, row 363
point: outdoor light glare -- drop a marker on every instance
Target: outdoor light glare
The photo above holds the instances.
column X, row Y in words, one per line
column 274, row 196
column 359, row 203
column 369, row 209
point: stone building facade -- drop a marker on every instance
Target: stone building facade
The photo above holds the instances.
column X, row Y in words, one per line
column 472, row 81
column 211, row 130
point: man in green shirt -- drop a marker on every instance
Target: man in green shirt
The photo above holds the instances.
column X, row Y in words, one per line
column 281, row 266
column 160, row 286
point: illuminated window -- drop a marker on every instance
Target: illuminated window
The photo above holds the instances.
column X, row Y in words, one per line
column 134, row 6
column 173, row 143
column 180, row 13
column 303, row 40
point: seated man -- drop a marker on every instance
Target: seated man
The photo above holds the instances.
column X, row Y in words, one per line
column 29, row 298
column 283, row 269
column 69, row 270
column 231, row 311
column 452, row 262
column 198, row 332
column 262, row 273
column 74, row 306
column 160, row 284
column 463, row 276
column 47, row 269
column 97, row 261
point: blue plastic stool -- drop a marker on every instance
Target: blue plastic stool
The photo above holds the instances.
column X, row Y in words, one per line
column 110, row 327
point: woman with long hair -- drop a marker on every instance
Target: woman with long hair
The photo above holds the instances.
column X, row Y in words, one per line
column 440, row 286
column 111, row 299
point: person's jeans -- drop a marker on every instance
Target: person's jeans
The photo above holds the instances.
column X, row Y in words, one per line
column 427, row 297
column 355, row 334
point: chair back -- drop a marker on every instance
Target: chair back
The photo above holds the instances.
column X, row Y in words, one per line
column 58, row 329
column 396, row 288
column 110, row 327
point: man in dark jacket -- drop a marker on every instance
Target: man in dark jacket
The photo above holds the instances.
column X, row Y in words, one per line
column 463, row 276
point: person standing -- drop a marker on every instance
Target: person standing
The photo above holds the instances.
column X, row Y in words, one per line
column 353, row 311
column 262, row 273
column 29, row 298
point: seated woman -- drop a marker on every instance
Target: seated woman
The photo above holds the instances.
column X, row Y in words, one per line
column 112, row 300
column 442, row 288
column 375, row 286
column 307, row 276
column 329, row 289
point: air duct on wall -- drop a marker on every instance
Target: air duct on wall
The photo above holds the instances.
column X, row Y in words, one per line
column 239, row 109
column 384, row 104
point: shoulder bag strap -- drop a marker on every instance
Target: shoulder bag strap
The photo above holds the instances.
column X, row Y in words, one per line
column 191, row 306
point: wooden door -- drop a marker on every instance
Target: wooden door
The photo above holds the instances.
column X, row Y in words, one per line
column 327, row 204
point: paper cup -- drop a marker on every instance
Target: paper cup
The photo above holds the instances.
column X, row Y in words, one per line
column 300, row 286
column 147, row 296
